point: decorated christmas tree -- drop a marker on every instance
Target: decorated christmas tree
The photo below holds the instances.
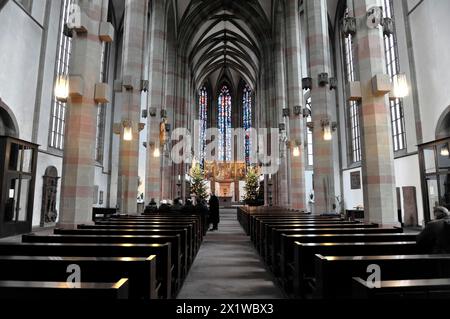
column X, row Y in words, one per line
column 198, row 187
column 251, row 186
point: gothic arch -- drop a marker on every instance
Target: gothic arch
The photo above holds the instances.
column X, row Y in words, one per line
column 8, row 122
column 443, row 125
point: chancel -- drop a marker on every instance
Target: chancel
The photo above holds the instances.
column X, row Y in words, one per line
column 224, row 149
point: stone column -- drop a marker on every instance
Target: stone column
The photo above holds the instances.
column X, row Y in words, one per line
column 282, row 198
column 81, row 118
column 294, row 90
column 321, row 99
column 135, row 27
column 155, row 99
column 377, row 151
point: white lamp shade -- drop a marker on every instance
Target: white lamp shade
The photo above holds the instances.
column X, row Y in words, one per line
column 327, row 133
column 156, row 152
column 127, row 133
column 62, row 88
column 296, row 151
column 445, row 151
column 400, row 86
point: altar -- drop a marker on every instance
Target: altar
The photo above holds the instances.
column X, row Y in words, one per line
column 226, row 175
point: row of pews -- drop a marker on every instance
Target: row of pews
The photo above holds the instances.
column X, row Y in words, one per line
column 327, row 257
column 120, row 257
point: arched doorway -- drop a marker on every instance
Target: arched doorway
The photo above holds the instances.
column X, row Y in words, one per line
column 434, row 160
column 8, row 122
column 49, row 212
column 443, row 125
column 17, row 175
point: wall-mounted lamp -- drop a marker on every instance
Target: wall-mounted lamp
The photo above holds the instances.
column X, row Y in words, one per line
column 156, row 151
column 127, row 131
column 400, row 88
column 445, row 151
column 323, row 79
column 296, row 148
column 307, row 84
column 11, row 193
column 328, row 129
column 62, row 88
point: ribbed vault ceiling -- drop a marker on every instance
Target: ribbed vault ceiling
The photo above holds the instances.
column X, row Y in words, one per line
column 224, row 38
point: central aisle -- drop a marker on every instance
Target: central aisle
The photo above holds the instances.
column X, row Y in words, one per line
column 228, row 267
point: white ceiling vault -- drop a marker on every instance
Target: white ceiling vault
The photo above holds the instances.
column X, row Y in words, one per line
column 224, row 38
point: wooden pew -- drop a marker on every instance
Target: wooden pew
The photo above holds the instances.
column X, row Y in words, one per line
column 174, row 240
column 302, row 269
column 402, row 289
column 284, row 253
column 283, row 244
column 164, row 266
column 141, row 272
column 192, row 237
column 264, row 243
column 334, row 273
column 48, row 290
column 255, row 228
column 196, row 226
column 266, row 226
column 186, row 247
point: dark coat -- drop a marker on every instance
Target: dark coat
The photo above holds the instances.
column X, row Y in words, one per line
column 164, row 209
column 151, row 209
column 214, row 210
column 188, row 209
column 435, row 238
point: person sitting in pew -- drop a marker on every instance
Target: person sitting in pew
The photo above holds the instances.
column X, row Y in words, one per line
column 151, row 208
column 177, row 206
column 188, row 207
column 435, row 238
column 164, row 208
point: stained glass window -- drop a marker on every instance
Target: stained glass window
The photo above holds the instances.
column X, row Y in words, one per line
column 224, row 119
column 247, row 120
column 203, row 112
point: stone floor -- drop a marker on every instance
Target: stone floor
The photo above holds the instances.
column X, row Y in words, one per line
column 228, row 267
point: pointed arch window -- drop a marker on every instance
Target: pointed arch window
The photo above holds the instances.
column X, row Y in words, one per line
column 247, row 120
column 354, row 130
column 58, row 114
column 224, row 120
column 203, row 116
column 101, row 108
column 393, row 68
column 309, row 136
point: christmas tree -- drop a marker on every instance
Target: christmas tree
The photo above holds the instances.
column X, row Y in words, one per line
column 198, row 187
column 251, row 185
